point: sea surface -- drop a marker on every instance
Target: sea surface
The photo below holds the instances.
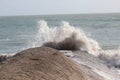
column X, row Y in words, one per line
column 19, row 32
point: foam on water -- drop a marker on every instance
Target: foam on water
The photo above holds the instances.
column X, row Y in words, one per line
column 111, row 57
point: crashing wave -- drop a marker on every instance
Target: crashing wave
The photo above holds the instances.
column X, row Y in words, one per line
column 64, row 37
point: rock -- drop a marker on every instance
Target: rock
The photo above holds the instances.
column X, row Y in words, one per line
column 40, row 64
column 2, row 58
column 44, row 64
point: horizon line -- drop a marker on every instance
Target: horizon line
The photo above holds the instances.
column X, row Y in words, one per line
column 59, row 14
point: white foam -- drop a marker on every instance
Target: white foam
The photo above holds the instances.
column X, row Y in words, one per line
column 67, row 53
column 7, row 55
column 111, row 57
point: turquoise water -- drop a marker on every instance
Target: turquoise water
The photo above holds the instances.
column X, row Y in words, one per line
column 17, row 32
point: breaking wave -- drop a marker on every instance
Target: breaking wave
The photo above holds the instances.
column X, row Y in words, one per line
column 67, row 37
column 64, row 37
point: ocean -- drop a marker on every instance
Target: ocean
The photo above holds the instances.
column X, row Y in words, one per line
column 19, row 32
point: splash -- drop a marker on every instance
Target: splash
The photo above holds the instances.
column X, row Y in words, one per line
column 110, row 57
column 63, row 35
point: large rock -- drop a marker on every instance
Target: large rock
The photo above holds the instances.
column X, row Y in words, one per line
column 44, row 64
column 40, row 64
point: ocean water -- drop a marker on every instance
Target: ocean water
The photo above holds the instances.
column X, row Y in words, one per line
column 19, row 32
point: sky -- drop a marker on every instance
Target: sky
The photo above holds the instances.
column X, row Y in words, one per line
column 44, row 7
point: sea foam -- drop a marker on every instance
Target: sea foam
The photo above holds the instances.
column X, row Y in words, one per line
column 111, row 57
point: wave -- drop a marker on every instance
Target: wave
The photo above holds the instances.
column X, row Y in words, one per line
column 67, row 37
column 64, row 37
column 110, row 57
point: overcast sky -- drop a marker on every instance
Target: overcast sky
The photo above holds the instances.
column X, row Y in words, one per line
column 38, row 7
